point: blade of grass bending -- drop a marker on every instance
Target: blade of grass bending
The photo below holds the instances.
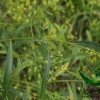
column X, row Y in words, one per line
column 91, row 82
column 46, row 75
column 8, row 70
column 90, row 45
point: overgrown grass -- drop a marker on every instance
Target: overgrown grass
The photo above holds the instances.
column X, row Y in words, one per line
column 42, row 52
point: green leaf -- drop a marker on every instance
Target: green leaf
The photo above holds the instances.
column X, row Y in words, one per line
column 95, row 68
column 74, row 53
column 49, row 13
column 91, row 82
column 21, row 66
column 20, row 28
column 90, row 45
column 71, row 61
column 8, row 70
column 86, row 98
column 18, row 93
column 46, row 75
column 71, row 94
column 88, row 35
column 78, row 56
column 61, row 31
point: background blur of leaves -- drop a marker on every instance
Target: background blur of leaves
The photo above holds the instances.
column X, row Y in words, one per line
column 31, row 23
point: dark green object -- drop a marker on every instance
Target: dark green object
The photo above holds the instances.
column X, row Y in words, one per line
column 8, row 71
column 91, row 82
column 77, row 3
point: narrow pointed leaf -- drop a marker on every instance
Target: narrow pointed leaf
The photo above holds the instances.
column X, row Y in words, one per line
column 91, row 82
column 91, row 45
column 71, row 95
column 88, row 35
column 74, row 54
column 46, row 75
column 71, row 60
column 8, row 70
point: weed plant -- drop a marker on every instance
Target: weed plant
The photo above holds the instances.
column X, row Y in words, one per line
column 48, row 50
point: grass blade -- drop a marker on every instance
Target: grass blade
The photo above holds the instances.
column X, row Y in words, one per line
column 90, row 45
column 20, row 28
column 46, row 75
column 95, row 68
column 21, row 66
column 18, row 93
column 88, row 35
column 8, row 71
column 71, row 61
column 71, row 95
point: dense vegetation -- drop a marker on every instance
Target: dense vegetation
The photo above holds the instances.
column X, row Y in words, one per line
column 49, row 49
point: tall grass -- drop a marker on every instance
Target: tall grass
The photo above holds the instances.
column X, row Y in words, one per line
column 49, row 50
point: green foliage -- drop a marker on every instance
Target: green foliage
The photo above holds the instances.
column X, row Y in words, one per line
column 45, row 75
column 91, row 82
column 89, row 45
column 48, row 62
column 8, row 71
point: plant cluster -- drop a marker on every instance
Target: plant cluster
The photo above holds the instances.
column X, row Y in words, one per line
column 39, row 58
